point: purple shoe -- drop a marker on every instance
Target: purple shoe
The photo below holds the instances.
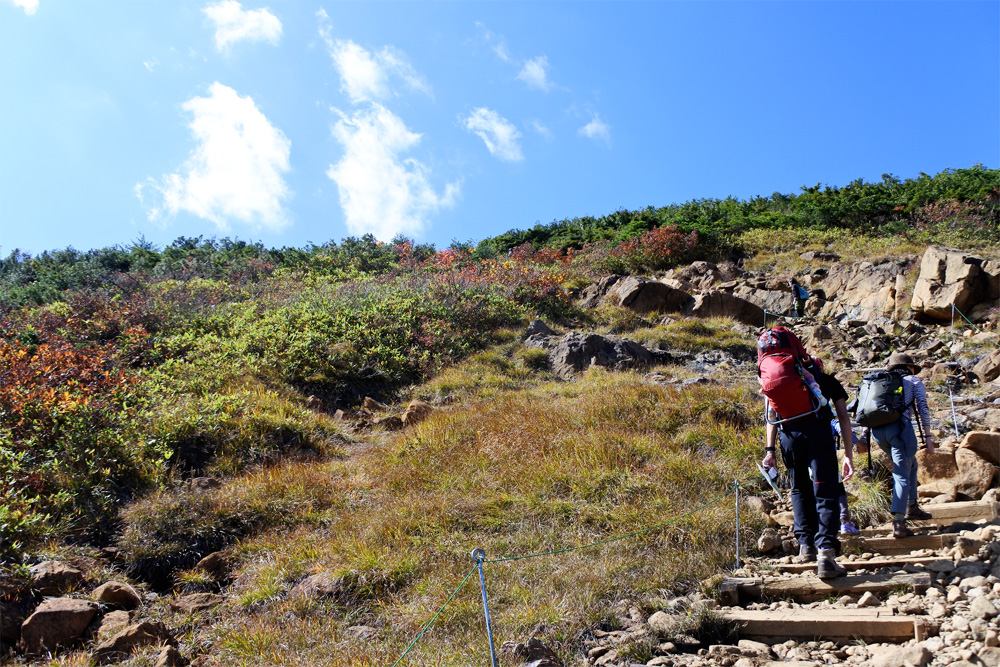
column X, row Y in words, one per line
column 848, row 528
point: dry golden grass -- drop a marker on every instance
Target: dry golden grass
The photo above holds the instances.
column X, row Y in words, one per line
column 778, row 250
column 550, row 469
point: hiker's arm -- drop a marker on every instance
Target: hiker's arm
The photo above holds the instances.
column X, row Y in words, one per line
column 847, row 435
column 771, row 437
column 920, row 405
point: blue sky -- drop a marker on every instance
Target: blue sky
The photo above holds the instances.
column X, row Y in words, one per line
column 291, row 122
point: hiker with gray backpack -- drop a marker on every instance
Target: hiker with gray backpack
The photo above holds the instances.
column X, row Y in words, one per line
column 885, row 404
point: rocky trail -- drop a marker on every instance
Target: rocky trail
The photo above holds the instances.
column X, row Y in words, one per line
column 930, row 599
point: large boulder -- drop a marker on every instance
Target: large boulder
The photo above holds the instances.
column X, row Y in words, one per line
column 866, row 289
column 701, row 274
column 953, row 277
column 576, row 352
column 56, row 622
column 984, row 443
column 593, row 294
column 984, row 418
column 720, row 304
column 775, row 301
column 961, row 472
column 644, row 295
column 988, row 368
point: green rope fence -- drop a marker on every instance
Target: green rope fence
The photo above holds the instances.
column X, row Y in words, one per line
column 955, row 309
column 435, row 617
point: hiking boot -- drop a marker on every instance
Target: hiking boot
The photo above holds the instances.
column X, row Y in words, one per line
column 914, row 513
column 826, row 565
column 899, row 529
column 807, row 554
column 848, row 528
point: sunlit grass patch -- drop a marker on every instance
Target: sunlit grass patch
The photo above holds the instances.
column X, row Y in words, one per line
column 610, row 318
column 778, row 250
column 606, row 488
column 241, row 422
column 697, row 335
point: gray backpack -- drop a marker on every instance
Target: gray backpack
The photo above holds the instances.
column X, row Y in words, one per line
column 880, row 398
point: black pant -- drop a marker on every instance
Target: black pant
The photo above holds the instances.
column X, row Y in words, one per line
column 808, row 445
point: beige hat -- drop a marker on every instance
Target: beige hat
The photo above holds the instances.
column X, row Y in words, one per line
column 901, row 360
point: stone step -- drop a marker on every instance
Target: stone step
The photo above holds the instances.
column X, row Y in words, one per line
column 842, row 625
column 807, row 587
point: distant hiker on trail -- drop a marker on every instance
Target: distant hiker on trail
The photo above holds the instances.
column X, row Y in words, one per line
column 885, row 403
column 801, row 295
column 800, row 419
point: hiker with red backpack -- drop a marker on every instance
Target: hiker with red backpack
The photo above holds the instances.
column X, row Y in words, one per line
column 798, row 417
column 885, row 404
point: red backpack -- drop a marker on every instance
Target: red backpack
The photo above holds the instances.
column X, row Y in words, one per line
column 783, row 378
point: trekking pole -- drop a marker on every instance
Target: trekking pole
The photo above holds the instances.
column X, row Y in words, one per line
column 479, row 556
column 954, row 419
column 920, row 426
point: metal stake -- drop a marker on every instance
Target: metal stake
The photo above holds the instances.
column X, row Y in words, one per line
column 737, row 487
column 479, row 556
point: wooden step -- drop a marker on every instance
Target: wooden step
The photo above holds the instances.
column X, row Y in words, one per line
column 971, row 511
column 843, row 625
column 735, row 591
column 853, row 565
column 897, row 546
column 945, row 514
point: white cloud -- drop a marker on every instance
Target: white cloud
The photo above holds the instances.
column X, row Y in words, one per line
column 541, row 129
column 367, row 76
column 499, row 134
column 500, row 48
column 597, row 129
column 234, row 173
column 233, row 23
column 150, row 64
column 534, row 75
column 29, row 6
column 381, row 192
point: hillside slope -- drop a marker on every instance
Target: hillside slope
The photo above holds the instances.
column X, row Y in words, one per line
column 593, row 460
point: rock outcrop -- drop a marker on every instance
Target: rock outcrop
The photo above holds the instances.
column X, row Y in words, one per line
column 644, row 295
column 954, row 277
